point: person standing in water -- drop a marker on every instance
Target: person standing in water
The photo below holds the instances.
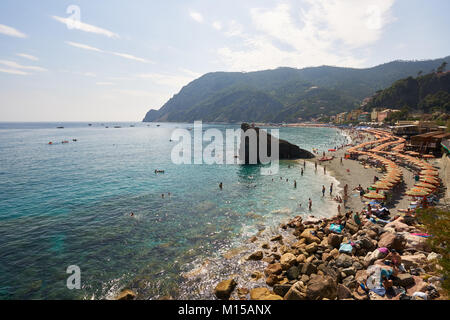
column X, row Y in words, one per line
column 304, row 164
column 220, row 186
column 295, row 184
column 315, row 165
column 324, row 169
column 331, row 188
column 302, row 172
column 310, row 204
column 323, row 191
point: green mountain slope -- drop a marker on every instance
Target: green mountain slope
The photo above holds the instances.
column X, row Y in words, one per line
column 425, row 94
column 283, row 94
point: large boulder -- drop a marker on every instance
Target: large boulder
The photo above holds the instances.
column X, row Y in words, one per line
column 292, row 273
column 308, row 268
column 404, row 280
column 258, row 255
column 321, row 287
column 367, row 244
column 398, row 226
column 416, row 242
column 309, row 236
column 334, row 240
column 351, row 226
column 287, row 260
column 414, row 260
column 272, row 280
column 371, row 257
column 344, row 261
column 274, row 268
column 392, row 241
column 296, row 292
column 312, row 247
column 263, row 294
column 281, row 289
column 224, row 288
column 343, row 292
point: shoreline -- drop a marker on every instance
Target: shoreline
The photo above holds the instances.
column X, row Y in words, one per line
column 313, row 261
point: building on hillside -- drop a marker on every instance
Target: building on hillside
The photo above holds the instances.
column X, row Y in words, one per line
column 364, row 117
column 382, row 115
column 341, row 117
column 353, row 115
column 374, row 115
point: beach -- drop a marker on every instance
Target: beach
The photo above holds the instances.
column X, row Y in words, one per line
column 315, row 262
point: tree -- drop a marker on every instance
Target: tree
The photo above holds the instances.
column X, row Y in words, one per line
column 442, row 67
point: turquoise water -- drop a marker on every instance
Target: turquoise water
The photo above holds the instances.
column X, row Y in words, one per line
column 70, row 204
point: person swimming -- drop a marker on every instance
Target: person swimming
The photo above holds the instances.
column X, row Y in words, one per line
column 132, row 214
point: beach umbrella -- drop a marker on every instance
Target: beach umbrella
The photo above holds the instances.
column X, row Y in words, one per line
column 429, row 173
column 425, row 185
column 429, row 180
column 374, row 195
column 381, row 186
column 416, row 192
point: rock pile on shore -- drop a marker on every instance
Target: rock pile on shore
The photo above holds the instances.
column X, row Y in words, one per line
column 313, row 268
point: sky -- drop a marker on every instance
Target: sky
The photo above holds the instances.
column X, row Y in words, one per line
column 113, row 60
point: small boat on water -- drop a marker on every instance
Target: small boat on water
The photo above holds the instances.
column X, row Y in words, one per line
column 59, row 127
column 157, row 125
column 117, row 127
column 50, row 142
column 326, row 159
column 74, row 140
column 65, row 141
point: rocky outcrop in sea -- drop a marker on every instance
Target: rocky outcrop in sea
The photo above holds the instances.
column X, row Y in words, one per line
column 287, row 150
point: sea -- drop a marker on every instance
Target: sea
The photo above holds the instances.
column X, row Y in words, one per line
column 70, row 204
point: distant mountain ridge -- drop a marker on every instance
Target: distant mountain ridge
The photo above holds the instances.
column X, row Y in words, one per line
column 283, row 94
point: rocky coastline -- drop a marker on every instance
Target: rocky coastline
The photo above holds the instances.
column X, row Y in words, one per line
column 321, row 264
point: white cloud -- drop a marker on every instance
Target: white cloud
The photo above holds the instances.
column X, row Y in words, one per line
column 83, row 46
column 78, row 25
column 27, row 56
column 12, row 32
column 123, row 55
column 217, row 25
column 11, row 71
column 321, row 32
column 15, row 65
column 131, row 57
column 104, row 83
column 196, row 16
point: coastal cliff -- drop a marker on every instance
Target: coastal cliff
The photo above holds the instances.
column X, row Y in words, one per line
column 287, row 150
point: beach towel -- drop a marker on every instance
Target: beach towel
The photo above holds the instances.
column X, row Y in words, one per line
column 383, row 250
column 345, row 248
column 424, row 235
column 336, row 228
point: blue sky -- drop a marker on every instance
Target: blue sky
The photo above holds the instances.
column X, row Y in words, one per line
column 121, row 58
